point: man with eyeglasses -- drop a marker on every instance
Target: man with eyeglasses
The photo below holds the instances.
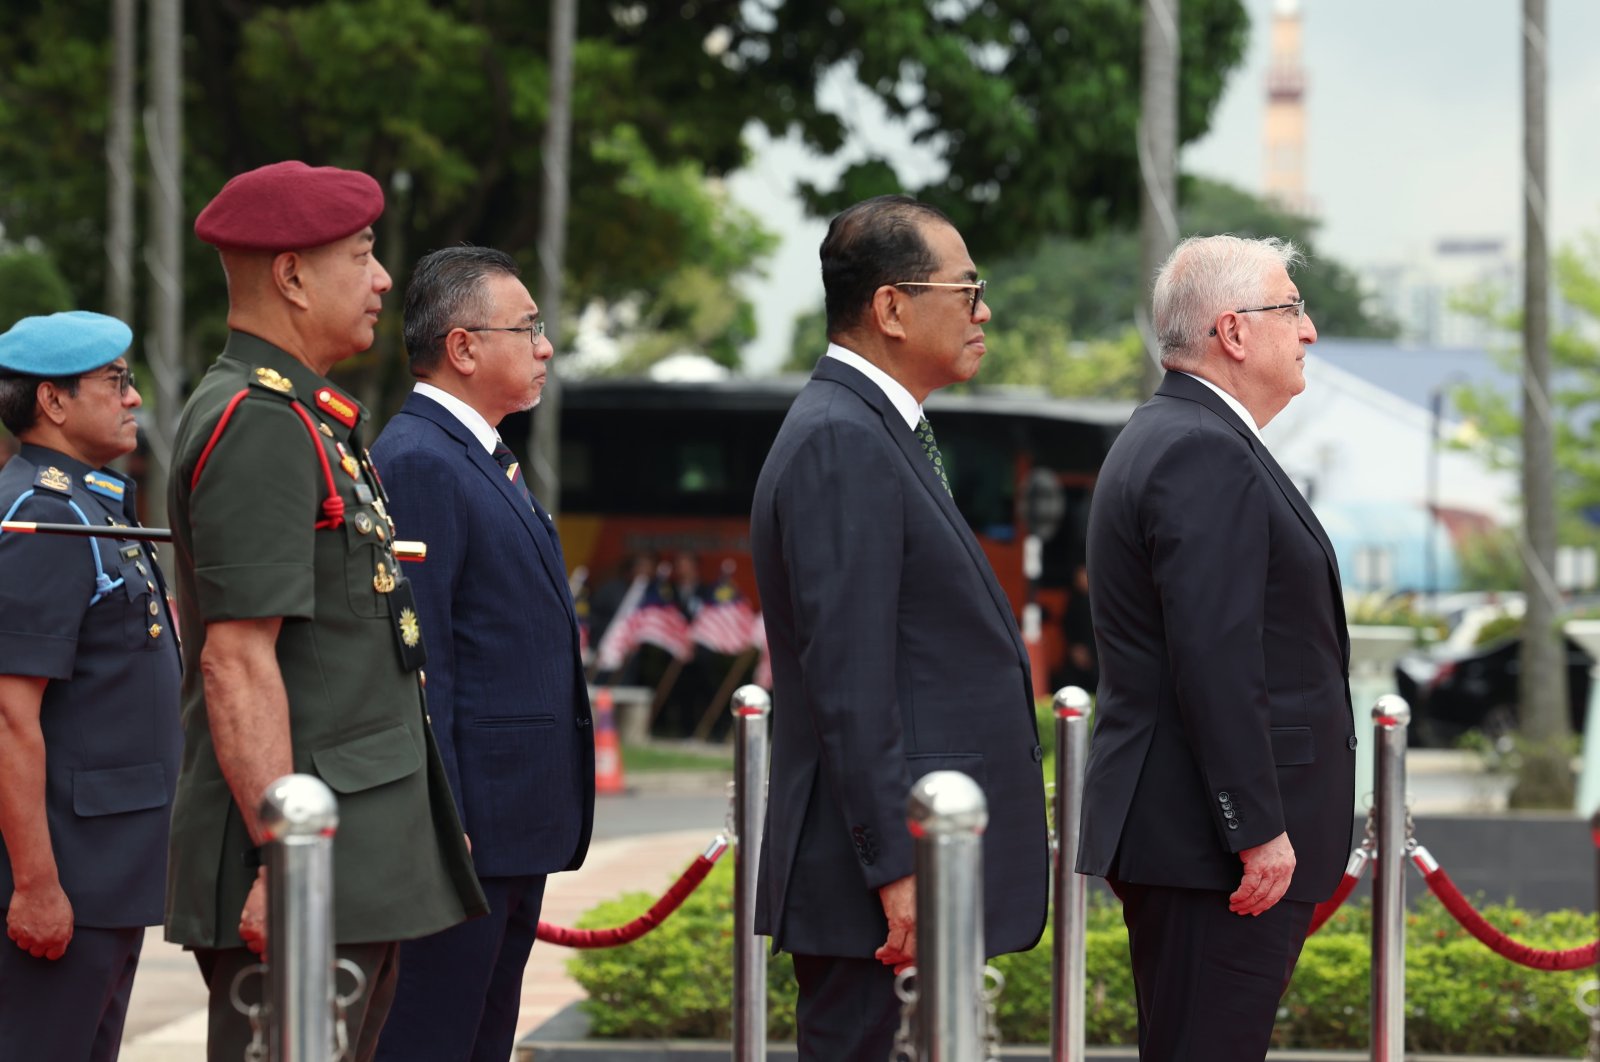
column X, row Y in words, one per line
column 89, row 736
column 303, row 646
column 1221, row 771
column 894, row 651
column 505, row 682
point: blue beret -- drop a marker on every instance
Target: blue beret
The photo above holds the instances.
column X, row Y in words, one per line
column 63, row 344
column 289, row 206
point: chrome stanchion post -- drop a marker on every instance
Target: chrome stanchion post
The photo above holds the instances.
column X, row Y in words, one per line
column 947, row 816
column 1390, row 717
column 299, row 817
column 1071, row 892
column 751, row 708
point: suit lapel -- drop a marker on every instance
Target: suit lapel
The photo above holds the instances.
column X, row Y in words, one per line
column 535, row 520
column 836, row 371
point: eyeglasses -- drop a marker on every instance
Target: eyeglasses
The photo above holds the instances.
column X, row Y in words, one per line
column 123, row 378
column 535, row 331
column 977, row 287
column 1298, row 306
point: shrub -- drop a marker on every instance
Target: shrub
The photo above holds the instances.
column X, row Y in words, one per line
column 676, row 983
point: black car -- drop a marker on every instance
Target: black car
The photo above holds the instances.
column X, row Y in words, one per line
column 1451, row 694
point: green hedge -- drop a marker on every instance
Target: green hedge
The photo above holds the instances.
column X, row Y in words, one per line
column 676, row 982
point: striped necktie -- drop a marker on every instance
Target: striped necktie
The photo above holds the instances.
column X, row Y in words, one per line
column 508, row 461
column 931, row 448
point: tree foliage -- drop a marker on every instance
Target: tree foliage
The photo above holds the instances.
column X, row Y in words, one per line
column 1030, row 104
column 1575, row 386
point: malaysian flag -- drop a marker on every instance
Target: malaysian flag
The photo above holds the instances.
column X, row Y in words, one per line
column 657, row 622
column 723, row 623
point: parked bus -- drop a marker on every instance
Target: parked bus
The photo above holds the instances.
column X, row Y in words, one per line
column 670, row 468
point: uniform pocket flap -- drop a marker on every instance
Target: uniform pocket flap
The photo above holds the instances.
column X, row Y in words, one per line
column 1293, row 746
column 115, row 790
column 365, row 762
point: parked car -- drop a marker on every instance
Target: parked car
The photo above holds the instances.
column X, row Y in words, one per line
column 1453, row 689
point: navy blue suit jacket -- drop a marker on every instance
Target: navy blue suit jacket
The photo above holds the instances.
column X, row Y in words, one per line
column 1223, row 716
column 505, row 687
column 894, row 653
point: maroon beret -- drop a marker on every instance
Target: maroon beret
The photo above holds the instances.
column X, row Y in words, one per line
column 289, row 206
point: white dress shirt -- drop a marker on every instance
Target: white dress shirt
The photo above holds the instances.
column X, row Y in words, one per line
column 899, row 396
column 1233, row 404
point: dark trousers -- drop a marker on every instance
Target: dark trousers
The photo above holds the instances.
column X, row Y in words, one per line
column 229, row 1031
column 461, row 989
column 1208, row 980
column 846, row 1011
column 72, row 1007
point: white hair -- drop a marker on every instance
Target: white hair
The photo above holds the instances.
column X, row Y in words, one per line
column 1205, row 276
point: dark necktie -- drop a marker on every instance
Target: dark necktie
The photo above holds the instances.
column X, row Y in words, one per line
column 508, row 461
column 931, row 448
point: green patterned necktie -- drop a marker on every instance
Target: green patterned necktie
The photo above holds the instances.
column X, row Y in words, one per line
column 931, row 448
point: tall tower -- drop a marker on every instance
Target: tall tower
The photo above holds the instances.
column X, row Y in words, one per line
column 1285, row 129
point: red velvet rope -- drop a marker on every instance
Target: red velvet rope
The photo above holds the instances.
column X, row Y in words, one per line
column 1498, row 942
column 1326, row 908
column 624, row 934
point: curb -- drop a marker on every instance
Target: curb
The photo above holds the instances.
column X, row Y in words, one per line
column 562, row 1039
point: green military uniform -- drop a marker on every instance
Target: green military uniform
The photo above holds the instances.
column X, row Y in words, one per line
column 249, row 546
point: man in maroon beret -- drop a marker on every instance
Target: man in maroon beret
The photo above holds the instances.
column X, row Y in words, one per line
column 303, row 650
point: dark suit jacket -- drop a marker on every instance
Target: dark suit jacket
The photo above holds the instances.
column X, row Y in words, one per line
column 894, row 653
column 505, row 689
column 1223, row 716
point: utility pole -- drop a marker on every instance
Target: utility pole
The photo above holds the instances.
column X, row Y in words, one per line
column 545, row 445
column 1545, row 779
column 119, row 160
column 1158, row 165
column 164, row 254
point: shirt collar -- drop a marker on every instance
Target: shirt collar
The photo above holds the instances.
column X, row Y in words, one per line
column 1233, row 404
column 898, row 396
column 470, row 418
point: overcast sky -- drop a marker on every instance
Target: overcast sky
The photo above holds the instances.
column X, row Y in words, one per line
column 1414, row 133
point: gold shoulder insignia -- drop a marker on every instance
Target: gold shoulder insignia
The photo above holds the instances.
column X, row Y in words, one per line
column 274, row 380
column 52, row 478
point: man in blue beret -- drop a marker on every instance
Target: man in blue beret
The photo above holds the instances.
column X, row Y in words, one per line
column 89, row 672
column 303, row 647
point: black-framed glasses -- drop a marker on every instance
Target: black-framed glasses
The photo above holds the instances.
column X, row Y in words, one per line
column 1298, row 306
column 977, row 287
column 535, row 331
column 123, row 378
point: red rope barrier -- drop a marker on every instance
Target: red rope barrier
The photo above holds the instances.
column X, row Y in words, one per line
column 1352, row 874
column 1488, row 935
column 624, row 934
column 1326, row 908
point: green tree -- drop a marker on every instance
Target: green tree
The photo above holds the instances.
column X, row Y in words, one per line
column 1544, row 779
column 444, row 100
column 30, row 284
column 1092, row 285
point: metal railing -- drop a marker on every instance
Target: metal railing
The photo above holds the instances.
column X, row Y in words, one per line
column 299, row 816
column 947, row 816
column 751, row 710
column 1070, row 889
column 1390, row 717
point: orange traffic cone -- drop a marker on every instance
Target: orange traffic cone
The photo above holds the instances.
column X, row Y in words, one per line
column 607, row 749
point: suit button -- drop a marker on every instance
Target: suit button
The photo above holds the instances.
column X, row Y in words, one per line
column 1038, row 754
column 1229, row 813
column 1352, row 742
column 1224, row 797
column 583, row 721
column 1233, row 824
